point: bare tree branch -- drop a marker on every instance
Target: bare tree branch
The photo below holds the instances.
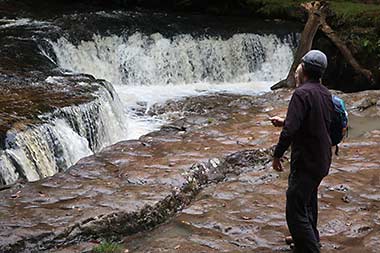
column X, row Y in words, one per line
column 317, row 19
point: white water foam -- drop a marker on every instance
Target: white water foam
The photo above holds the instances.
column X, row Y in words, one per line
column 69, row 134
column 8, row 23
column 183, row 59
column 150, row 95
column 102, row 122
column 41, row 151
column 148, row 69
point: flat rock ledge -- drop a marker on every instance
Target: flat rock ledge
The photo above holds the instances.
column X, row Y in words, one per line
column 135, row 185
column 99, row 198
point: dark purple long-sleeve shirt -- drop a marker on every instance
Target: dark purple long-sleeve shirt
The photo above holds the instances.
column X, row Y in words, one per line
column 306, row 129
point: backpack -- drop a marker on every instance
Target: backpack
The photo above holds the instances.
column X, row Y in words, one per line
column 339, row 122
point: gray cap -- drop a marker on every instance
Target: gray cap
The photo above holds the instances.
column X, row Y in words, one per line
column 316, row 60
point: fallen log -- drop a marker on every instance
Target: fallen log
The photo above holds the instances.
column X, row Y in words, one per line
column 317, row 19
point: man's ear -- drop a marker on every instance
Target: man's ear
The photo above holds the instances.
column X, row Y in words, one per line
column 303, row 73
column 298, row 75
column 303, row 68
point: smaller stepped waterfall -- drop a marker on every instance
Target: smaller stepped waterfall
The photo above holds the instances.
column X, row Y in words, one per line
column 68, row 135
column 139, row 70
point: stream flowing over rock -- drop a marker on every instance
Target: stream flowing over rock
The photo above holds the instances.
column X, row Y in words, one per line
column 63, row 137
column 141, row 68
column 125, row 126
column 182, row 59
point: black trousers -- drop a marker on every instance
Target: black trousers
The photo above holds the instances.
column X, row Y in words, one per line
column 302, row 211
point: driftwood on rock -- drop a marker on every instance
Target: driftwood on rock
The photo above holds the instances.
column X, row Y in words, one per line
column 317, row 19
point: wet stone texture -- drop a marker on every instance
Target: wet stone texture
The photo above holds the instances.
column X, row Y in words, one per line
column 232, row 203
column 21, row 107
column 246, row 212
column 134, row 185
column 31, row 84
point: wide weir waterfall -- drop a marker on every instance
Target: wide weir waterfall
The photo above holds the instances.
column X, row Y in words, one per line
column 149, row 69
column 140, row 69
column 183, row 59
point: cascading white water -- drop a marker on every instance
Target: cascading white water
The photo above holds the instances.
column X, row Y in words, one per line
column 102, row 122
column 70, row 134
column 148, row 69
column 145, row 69
column 42, row 151
column 183, row 59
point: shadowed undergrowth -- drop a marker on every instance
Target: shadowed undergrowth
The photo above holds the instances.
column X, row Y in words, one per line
column 358, row 13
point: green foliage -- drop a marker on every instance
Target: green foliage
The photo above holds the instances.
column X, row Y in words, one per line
column 108, row 247
column 349, row 11
column 366, row 43
column 371, row 45
column 357, row 13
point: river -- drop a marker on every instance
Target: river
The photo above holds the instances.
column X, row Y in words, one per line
column 151, row 130
column 177, row 56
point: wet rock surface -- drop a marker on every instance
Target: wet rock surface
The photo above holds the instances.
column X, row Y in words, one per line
column 245, row 212
column 23, row 105
column 134, row 186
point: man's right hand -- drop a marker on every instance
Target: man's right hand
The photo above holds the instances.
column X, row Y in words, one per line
column 277, row 165
column 277, row 121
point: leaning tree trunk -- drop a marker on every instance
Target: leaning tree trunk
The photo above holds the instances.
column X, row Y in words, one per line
column 307, row 37
column 316, row 19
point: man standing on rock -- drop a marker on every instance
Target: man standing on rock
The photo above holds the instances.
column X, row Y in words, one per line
column 306, row 128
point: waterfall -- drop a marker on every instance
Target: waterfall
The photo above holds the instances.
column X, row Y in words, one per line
column 69, row 134
column 102, row 122
column 42, row 151
column 148, row 69
column 155, row 60
column 143, row 69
